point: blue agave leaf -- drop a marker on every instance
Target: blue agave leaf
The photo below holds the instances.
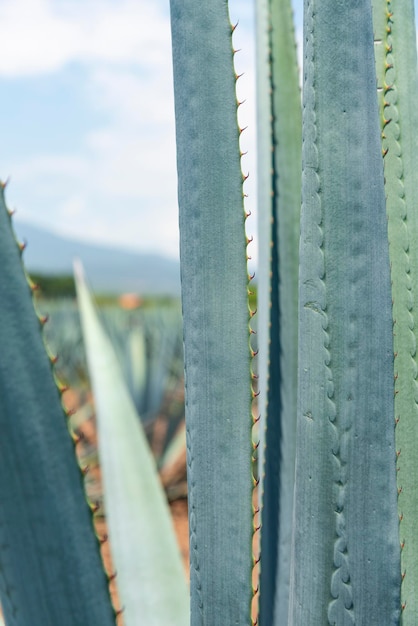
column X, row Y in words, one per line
column 396, row 65
column 346, row 539
column 215, row 310
column 280, row 128
column 151, row 582
column 50, row 565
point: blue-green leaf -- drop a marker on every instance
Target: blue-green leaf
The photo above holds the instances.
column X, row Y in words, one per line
column 215, row 310
column 279, row 212
column 150, row 577
column 396, row 64
column 346, row 562
column 50, row 566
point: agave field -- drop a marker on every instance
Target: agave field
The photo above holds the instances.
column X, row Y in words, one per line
column 143, row 349
column 147, row 342
column 335, row 427
column 301, row 418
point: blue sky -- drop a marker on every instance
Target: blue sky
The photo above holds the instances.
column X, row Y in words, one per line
column 87, row 117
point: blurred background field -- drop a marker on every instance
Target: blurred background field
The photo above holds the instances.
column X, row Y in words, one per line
column 146, row 334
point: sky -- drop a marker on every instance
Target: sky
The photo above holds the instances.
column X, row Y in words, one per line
column 87, row 117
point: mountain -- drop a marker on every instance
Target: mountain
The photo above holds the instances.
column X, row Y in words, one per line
column 108, row 269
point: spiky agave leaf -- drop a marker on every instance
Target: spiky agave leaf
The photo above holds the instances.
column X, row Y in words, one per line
column 215, row 313
column 150, row 576
column 346, row 540
column 396, row 63
column 280, row 125
column 51, row 570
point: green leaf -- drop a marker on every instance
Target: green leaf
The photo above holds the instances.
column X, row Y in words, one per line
column 215, row 311
column 279, row 211
column 50, row 566
column 137, row 360
column 175, row 449
column 150, row 576
column 396, row 63
column 346, row 540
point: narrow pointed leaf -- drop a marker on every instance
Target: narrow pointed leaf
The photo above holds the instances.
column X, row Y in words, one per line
column 396, row 64
column 175, row 448
column 50, row 566
column 215, row 310
column 150, row 576
column 279, row 236
column 346, row 540
column 137, row 370
column 265, row 208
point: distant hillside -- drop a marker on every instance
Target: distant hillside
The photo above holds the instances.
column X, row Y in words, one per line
column 108, row 269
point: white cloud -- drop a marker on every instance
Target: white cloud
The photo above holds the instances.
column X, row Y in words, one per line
column 121, row 192
column 134, row 97
column 49, row 167
column 121, row 186
column 41, row 36
column 74, row 207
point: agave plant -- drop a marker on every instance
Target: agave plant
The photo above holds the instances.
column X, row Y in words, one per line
column 336, row 323
column 334, row 554
column 151, row 582
column 51, row 571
